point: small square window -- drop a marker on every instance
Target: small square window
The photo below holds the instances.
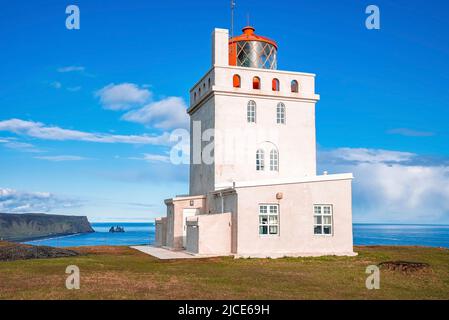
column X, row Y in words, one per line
column 322, row 220
column 268, row 219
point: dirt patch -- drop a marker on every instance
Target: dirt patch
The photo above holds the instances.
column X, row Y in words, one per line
column 15, row 251
column 404, row 266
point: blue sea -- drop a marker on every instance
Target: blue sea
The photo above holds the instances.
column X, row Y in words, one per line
column 364, row 234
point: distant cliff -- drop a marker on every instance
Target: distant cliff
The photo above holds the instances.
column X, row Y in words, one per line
column 28, row 226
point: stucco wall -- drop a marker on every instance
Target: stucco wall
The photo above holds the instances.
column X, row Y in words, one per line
column 161, row 232
column 201, row 174
column 296, row 235
column 236, row 140
column 212, row 235
column 175, row 209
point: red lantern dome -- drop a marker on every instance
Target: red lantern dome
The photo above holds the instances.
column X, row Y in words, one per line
column 252, row 51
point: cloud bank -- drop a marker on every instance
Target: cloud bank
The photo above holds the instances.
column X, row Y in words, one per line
column 393, row 186
column 123, row 96
column 42, row 131
column 164, row 114
column 13, row 201
column 167, row 113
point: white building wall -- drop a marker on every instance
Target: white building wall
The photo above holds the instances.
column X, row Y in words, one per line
column 296, row 223
column 237, row 141
column 202, row 177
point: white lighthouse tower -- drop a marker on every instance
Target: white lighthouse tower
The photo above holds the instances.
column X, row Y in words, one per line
column 254, row 190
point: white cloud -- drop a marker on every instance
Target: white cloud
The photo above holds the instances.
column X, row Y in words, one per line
column 393, row 186
column 11, row 143
column 360, row 155
column 168, row 113
column 123, row 96
column 56, row 85
column 410, row 132
column 150, row 157
column 156, row 158
column 61, row 158
column 13, row 201
column 41, row 131
column 71, row 69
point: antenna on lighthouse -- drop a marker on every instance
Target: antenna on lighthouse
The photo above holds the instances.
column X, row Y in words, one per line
column 232, row 17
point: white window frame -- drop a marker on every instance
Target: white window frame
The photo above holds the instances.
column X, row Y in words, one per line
column 280, row 113
column 260, row 160
column 322, row 212
column 269, row 218
column 274, row 160
column 251, row 111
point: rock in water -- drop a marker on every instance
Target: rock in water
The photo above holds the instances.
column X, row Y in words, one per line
column 29, row 226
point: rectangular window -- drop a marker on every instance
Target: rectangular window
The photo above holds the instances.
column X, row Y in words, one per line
column 280, row 113
column 274, row 161
column 269, row 219
column 322, row 220
column 251, row 114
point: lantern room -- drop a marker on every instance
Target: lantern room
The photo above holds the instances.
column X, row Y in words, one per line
column 252, row 51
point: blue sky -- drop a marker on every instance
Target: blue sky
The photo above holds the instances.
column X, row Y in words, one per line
column 383, row 111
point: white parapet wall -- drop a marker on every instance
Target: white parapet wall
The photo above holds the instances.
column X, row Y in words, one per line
column 209, row 234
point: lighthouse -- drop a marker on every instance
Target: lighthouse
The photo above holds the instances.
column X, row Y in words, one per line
column 254, row 190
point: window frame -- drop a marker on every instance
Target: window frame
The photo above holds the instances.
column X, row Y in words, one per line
column 322, row 215
column 275, row 85
column 257, row 84
column 269, row 222
column 274, row 161
column 260, row 160
column 251, row 111
column 236, row 81
column 281, row 117
column 294, row 81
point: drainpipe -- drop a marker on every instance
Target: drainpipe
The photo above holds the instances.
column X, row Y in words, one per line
column 222, row 202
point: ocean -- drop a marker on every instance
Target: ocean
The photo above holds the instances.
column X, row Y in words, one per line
column 364, row 234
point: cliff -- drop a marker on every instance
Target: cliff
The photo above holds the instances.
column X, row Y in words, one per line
column 28, row 226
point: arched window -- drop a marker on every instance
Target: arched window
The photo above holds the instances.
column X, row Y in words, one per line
column 194, row 96
column 260, row 160
column 208, row 83
column 295, row 86
column 256, row 83
column 274, row 160
column 251, row 111
column 280, row 113
column 199, row 92
column 275, row 84
column 236, row 81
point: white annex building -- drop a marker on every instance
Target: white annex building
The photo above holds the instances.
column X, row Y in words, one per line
column 260, row 196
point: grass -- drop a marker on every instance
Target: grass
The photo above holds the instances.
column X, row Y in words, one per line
column 123, row 273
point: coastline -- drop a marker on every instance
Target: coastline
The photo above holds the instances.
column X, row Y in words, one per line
column 49, row 237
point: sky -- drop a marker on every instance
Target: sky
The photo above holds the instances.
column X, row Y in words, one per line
column 86, row 115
